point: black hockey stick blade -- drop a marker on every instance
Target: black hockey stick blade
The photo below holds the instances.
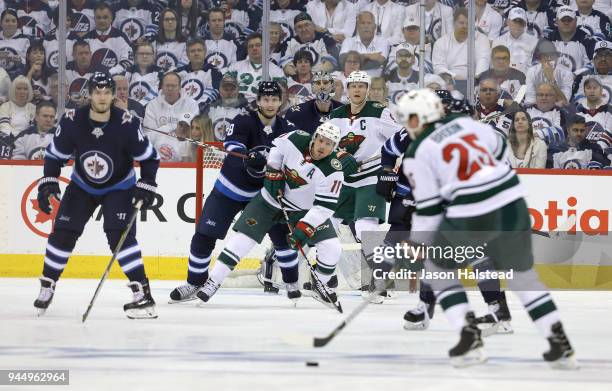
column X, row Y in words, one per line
column 320, row 342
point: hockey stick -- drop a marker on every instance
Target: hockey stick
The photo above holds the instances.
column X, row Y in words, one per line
column 198, row 143
column 112, row 260
column 337, row 304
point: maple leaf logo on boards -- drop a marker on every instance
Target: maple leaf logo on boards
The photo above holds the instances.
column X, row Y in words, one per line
column 42, row 217
column 293, row 179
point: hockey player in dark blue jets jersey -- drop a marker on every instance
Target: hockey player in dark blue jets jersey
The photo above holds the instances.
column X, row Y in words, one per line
column 103, row 141
column 239, row 181
column 314, row 112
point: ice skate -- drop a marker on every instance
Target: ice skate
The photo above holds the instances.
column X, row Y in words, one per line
column 418, row 318
column 47, row 290
column 183, row 293
column 142, row 305
column 318, row 292
column 497, row 321
column 469, row 350
column 560, row 355
column 293, row 292
column 207, row 290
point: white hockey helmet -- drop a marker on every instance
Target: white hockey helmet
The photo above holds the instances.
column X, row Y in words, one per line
column 329, row 131
column 424, row 103
column 359, row 77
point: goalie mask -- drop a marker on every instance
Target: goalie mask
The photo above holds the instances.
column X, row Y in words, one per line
column 323, row 92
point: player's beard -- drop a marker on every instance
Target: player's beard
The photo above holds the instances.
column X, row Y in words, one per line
column 100, row 108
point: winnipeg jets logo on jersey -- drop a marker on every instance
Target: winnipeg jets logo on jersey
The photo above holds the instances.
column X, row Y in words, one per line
column 97, row 165
column 82, row 24
column 193, row 88
column 167, row 153
column 140, row 90
column 52, row 59
column 78, row 88
column 97, row 132
column 166, row 60
column 105, row 57
column 133, row 28
column 217, row 60
column 220, row 128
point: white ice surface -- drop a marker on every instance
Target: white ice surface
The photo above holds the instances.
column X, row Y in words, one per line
column 235, row 342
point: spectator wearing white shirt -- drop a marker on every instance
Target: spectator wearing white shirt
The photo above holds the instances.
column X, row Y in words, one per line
column 526, row 151
column 488, row 21
column 334, row 16
column 388, row 16
column 517, row 40
column 450, row 51
column 373, row 49
column 166, row 111
column 548, row 70
column 438, row 18
column 17, row 114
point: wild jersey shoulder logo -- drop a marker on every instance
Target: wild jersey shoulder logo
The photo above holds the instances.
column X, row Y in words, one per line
column 351, row 142
column 293, row 178
column 378, row 105
column 335, row 163
column 302, row 133
column 97, row 165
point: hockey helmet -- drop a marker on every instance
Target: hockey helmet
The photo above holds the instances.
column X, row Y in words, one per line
column 446, row 98
column 329, row 131
column 100, row 80
column 424, row 103
column 359, row 77
column 269, row 88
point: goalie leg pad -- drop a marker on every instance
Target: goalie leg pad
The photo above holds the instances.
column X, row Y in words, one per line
column 129, row 257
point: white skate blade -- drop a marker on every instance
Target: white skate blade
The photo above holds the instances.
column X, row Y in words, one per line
column 565, row 363
column 141, row 313
column 489, row 329
column 378, row 299
column 182, row 301
column 473, row 357
column 308, row 293
column 422, row 325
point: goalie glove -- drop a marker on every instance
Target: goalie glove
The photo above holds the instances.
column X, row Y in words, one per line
column 274, row 182
column 301, row 233
column 47, row 187
column 144, row 191
column 387, row 180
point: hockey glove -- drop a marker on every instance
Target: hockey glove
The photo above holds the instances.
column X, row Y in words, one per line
column 349, row 164
column 144, row 191
column 302, row 232
column 47, row 187
column 274, row 182
column 385, row 186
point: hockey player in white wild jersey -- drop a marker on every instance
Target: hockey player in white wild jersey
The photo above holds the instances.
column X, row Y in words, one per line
column 466, row 193
column 365, row 126
column 305, row 171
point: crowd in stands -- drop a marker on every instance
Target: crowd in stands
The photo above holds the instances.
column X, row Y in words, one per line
column 188, row 67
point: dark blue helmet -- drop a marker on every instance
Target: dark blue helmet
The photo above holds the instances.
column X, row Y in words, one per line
column 101, row 80
column 269, row 88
